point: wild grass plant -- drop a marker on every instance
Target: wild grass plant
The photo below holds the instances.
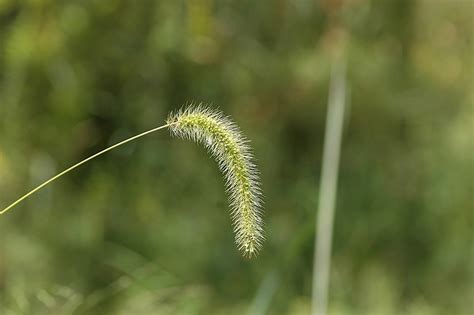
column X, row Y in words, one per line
column 225, row 142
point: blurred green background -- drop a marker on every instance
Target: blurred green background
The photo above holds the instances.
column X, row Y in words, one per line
column 145, row 229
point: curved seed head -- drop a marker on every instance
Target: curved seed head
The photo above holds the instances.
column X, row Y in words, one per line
column 228, row 146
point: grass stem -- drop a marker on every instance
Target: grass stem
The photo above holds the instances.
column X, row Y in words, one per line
column 328, row 188
column 79, row 164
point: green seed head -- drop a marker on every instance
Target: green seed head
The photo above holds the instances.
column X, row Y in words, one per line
column 227, row 145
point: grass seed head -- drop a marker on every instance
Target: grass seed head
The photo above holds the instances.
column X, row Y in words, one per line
column 230, row 148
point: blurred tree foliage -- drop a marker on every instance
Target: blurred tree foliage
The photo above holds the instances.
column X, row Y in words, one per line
column 144, row 229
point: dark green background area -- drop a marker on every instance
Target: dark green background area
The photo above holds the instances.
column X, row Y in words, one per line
column 145, row 229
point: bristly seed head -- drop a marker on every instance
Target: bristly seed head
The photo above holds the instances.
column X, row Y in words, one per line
column 225, row 142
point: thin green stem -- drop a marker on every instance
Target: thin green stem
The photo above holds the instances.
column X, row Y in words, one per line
column 79, row 164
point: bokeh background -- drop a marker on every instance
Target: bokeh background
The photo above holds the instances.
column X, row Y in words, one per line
column 145, row 229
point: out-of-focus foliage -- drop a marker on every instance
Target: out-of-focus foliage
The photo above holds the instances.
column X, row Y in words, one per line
column 144, row 229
